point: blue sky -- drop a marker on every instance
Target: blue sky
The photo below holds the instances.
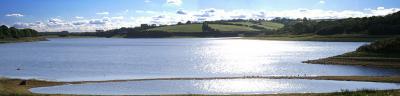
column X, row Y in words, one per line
column 89, row 15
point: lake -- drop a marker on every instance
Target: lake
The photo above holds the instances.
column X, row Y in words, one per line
column 96, row 59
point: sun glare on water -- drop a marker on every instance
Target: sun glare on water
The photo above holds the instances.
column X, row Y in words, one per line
column 243, row 56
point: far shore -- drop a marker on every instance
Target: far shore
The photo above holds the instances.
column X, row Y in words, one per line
column 281, row 37
column 325, row 38
column 24, row 39
column 12, row 87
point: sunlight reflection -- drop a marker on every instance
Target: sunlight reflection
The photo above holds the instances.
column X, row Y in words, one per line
column 243, row 56
column 241, row 85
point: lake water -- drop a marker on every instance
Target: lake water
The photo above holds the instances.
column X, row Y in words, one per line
column 95, row 59
column 222, row 86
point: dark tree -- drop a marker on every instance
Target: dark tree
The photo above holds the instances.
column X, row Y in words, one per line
column 180, row 23
column 188, row 22
column 14, row 32
column 4, row 33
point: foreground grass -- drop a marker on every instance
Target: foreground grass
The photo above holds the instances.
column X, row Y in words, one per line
column 11, row 87
column 328, row 38
column 25, row 39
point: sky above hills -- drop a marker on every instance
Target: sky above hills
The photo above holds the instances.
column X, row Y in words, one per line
column 89, row 15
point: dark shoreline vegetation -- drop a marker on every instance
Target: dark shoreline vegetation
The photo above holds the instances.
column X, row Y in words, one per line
column 382, row 53
column 12, row 35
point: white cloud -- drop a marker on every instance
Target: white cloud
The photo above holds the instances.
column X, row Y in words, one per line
column 380, row 11
column 380, row 8
column 79, row 22
column 55, row 20
column 78, row 17
column 98, row 21
column 322, row 2
column 174, row 2
column 103, row 13
column 14, row 15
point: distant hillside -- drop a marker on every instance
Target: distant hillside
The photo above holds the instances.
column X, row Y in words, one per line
column 376, row 25
column 231, row 28
column 266, row 24
column 179, row 28
column 220, row 27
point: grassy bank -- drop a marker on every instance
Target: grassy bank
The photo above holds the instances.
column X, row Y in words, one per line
column 11, row 87
column 327, row 38
column 24, row 39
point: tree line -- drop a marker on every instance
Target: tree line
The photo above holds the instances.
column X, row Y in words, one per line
column 375, row 25
column 13, row 32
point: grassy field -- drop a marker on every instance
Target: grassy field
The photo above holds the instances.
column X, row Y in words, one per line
column 272, row 25
column 266, row 25
column 25, row 39
column 327, row 38
column 181, row 28
column 220, row 27
column 231, row 28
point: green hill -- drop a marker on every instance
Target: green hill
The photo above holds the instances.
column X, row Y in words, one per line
column 198, row 28
column 180, row 28
column 231, row 28
column 266, row 25
column 272, row 25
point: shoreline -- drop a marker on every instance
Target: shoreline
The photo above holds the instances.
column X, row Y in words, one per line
column 12, row 87
column 324, row 38
column 380, row 62
column 24, row 39
column 321, row 38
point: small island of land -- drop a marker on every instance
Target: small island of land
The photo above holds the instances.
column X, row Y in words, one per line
column 383, row 53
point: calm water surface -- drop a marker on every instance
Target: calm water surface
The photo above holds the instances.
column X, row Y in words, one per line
column 89, row 59
column 223, row 86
